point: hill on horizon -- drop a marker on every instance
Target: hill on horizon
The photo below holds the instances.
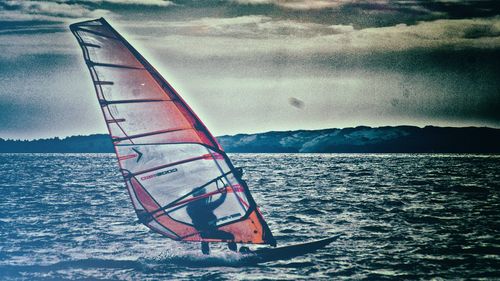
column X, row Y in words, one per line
column 361, row 139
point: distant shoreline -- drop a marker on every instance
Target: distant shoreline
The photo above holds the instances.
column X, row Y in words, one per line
column 362, row 139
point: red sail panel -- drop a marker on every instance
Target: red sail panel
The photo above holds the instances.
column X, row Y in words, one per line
column 180, row 181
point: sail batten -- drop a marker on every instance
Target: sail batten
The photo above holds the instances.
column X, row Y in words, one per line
column 93, row 63
column 104, row 83
column 91, row 45
column 179, row 179
column 130, row 137
column 96, row 33
column 107, row 102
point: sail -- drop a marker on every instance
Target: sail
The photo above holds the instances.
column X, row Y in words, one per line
column 172, row 165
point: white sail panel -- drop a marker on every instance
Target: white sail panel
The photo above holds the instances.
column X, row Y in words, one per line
column 133, row 84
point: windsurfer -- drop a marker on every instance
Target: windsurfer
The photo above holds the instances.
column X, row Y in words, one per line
column 201, row 211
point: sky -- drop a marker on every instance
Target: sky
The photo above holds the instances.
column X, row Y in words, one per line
column 248, row 66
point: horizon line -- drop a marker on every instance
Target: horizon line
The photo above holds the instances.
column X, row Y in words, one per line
column 271, row 131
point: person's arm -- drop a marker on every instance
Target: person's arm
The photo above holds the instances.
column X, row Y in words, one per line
column 215, row 204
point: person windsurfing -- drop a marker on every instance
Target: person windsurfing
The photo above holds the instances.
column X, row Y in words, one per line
column 201, row 210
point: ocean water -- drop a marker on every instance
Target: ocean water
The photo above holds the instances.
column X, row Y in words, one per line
column 398, row 216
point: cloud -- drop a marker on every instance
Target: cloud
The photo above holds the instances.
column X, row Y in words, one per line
column 479, row 30
column 41, row 9
column 252, row 26
column 415, row 7
column 366, row 13
column 302, row 4
column 65, row 10
column 433, row 34
column 310, row 4
column 159, row 3
column 39, row 29
column 260, row 35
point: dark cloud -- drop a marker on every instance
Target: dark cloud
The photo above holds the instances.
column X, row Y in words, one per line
column 363, row 14
column 481, row 30
column 295, row 102
column 30, row 27
column 12, row 24
column 463, row 9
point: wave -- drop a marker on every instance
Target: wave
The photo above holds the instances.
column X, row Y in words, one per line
column 166, row 260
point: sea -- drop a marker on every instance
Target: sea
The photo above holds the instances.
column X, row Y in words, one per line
column 397, row 216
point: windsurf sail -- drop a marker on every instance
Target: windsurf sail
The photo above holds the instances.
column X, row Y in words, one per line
column 180, row 181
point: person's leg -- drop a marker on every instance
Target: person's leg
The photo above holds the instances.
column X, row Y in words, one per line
column 232, row 246
column 205, row 248
column 217, row 233
column 220, row 234
column 244, row 250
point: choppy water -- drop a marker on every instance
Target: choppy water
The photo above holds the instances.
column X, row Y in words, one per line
column 398, row 216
